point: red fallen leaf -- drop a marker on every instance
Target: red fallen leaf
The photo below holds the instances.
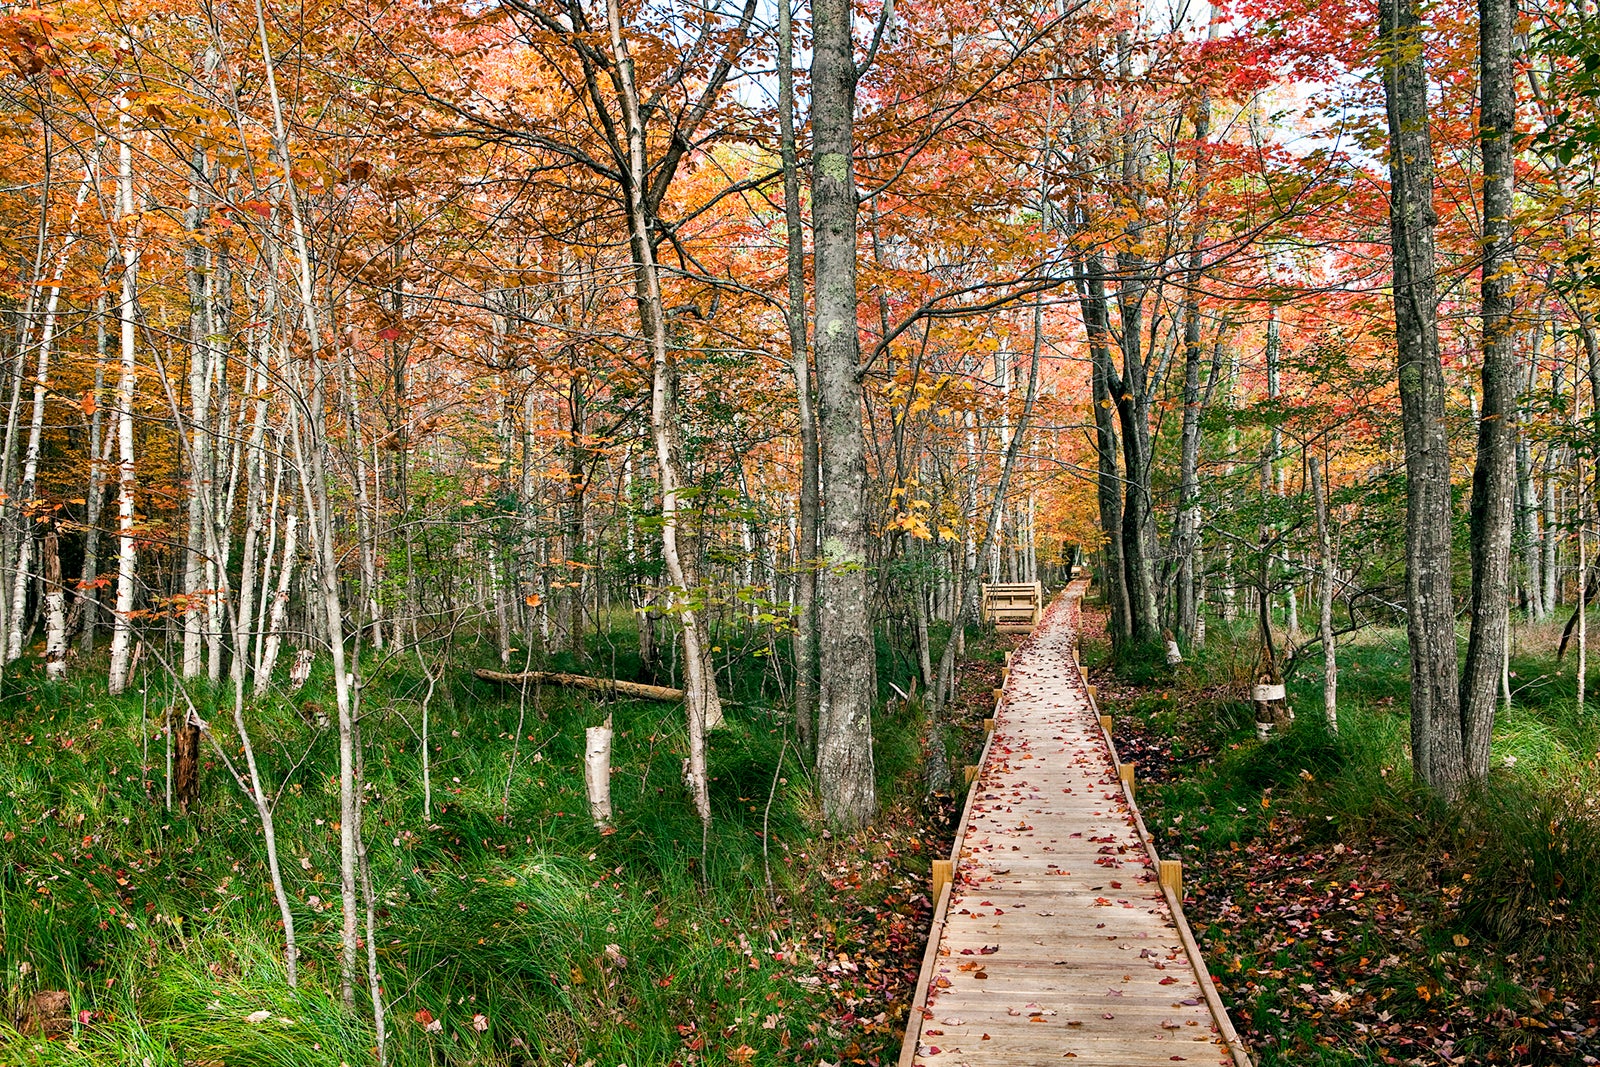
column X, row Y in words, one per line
column 989, row 950
column 1168, row 980
column 1107, row 1015
column 423, row 1017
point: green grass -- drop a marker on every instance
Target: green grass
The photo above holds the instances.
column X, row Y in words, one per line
column 528, row 935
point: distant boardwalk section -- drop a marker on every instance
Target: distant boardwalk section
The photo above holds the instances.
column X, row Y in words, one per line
column 1056, row 941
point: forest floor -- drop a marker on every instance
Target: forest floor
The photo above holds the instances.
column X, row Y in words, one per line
column 512, row 930
column 1347, row 917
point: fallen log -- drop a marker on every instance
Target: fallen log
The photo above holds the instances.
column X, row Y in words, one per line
column 608, row 686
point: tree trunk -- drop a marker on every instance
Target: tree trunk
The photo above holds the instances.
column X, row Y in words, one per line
column 1330, row 659
column 597, row 772
column 1494, row 473
column 195, row 622
column 845, row 766
column 1096, row 319
column 805, row 618
column 55, row 612
column 16, row 634
column 1188, row 524
column 272, row 638
column 127, row 385
column 88, row 585
column 703, row 702
column 1436, row 739
column 311, row 460
column 1527, row 530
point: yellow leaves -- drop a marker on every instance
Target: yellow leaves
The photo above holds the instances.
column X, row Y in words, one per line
column 914, row 519
column 915, row 525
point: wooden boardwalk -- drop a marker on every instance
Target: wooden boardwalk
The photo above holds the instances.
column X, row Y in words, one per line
column 1055, row 941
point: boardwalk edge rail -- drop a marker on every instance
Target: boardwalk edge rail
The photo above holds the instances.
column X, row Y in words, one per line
column 1191, row 947
column 930, row 956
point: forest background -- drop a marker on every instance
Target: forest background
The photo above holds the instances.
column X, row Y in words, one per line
column 729, row 348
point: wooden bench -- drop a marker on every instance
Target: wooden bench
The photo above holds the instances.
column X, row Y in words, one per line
column 1013, row 607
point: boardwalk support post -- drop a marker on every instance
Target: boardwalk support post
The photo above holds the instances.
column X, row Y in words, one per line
column 943, row 870
column 1105, row 723
column 988, row 727
column 1172, row 876
column 1094, row 693
column 969, row 772
column 1125, row 772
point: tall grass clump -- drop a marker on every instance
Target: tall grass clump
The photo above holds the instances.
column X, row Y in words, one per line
column 511, row 930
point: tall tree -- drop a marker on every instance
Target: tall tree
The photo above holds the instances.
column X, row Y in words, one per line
column 1436, row 735
column 845, row 772
column 1494, row 475
column 805, row 640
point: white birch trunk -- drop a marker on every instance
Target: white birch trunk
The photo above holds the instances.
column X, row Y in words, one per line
column 98, row 440
column 280, row 608
column 16, row 636
column 597, row 773
column 1330, row 659
column 199, row 451
column 127, row 386
column 55, row 612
